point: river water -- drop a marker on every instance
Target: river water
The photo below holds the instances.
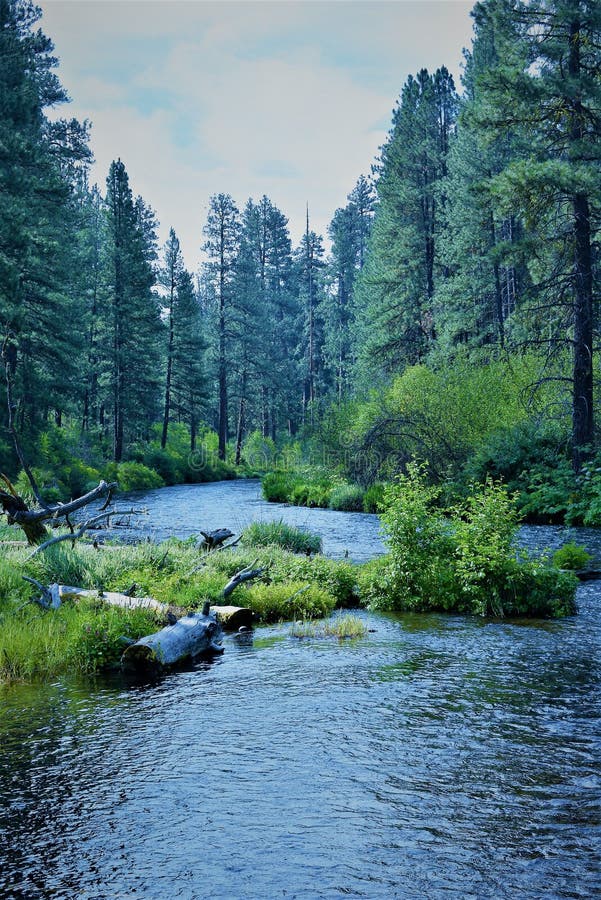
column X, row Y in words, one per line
column 436, row 757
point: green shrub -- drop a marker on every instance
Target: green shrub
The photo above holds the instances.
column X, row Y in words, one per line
column 263, row 534
column 277, row 487
column 51, row 487
column 167, row 465
column 571, row 556
column 347, row 497
column 258, row 451
column 134, row 476
column 460, row 559
column 374, row 497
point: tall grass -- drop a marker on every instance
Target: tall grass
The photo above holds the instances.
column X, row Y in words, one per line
column 279, row 534
column 82, row 638
column 342, row 627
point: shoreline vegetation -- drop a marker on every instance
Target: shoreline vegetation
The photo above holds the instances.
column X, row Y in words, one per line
column 457, row 559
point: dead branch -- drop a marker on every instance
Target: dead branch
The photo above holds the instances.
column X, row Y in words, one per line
column 74, row 535
column 32, row 520
column 246, row 574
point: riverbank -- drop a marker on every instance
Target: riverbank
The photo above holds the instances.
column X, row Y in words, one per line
column 467, row 565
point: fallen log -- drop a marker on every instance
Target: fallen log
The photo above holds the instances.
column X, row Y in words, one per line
column 231, row 618
column 188, row 638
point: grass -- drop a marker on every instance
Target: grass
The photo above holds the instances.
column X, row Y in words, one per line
column 343, row 627
column 83, row 638
column 86, row 637
column 279, row 534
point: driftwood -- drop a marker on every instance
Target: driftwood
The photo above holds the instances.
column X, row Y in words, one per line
column 230, row 617
column 186, row 636
column 213, row 539
column 247, row 574
column 33, row 521
column 189, row 637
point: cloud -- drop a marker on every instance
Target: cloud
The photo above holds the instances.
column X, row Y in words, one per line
column 288, row 99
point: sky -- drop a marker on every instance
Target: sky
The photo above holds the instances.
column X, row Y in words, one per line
column 289, row 98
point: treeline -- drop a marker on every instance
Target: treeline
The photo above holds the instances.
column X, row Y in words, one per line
column 474, row 245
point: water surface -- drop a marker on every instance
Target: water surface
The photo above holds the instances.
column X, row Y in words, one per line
column 436, row 757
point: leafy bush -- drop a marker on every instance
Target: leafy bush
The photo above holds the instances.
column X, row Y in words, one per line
column 258, row 451
column 134, row 476
column 459, row 559
column 51, row 487
column 347, row 497
column 571, row 556
column 263, row 534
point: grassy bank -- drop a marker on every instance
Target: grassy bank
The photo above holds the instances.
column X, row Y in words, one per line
column 316, row 487
column 459, row 559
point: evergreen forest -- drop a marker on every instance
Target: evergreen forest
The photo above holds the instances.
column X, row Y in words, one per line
column 449, row 317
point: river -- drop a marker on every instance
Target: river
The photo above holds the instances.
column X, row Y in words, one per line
column 436, row 757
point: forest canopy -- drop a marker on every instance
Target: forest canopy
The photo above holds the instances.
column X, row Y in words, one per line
column 465, row 265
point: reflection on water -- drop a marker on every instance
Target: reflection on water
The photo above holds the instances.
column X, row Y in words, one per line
column 455, row 759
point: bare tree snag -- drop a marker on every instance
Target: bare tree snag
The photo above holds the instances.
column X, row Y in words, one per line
column 213, row 539
column 32, row 521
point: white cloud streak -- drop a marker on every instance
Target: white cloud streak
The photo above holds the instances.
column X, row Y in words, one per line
column 290, row 99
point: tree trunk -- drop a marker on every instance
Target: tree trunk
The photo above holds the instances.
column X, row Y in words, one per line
column 190, row 637
column 582, row 399
column 167, row 405
column 241, row 420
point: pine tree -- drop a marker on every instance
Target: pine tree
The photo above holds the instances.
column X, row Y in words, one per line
column 310, row 262
column 480, row 246
column 37, row 221
column 349, row 232
column 131, row 318
column 222, row 233
column 547, row 86
column 396, row 288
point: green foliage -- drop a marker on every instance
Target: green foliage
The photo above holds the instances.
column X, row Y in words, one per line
column 304, row 487
column 342, row 627
column 346, row 626
column 134, row 476
column 264, row 534
column 259, row 452
column 373, row 499
column 347, row 497
column 99, row 641
column 84, row 638
column 460, row 559
column 290, row 600
column 278, row 486
column 571, row 556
